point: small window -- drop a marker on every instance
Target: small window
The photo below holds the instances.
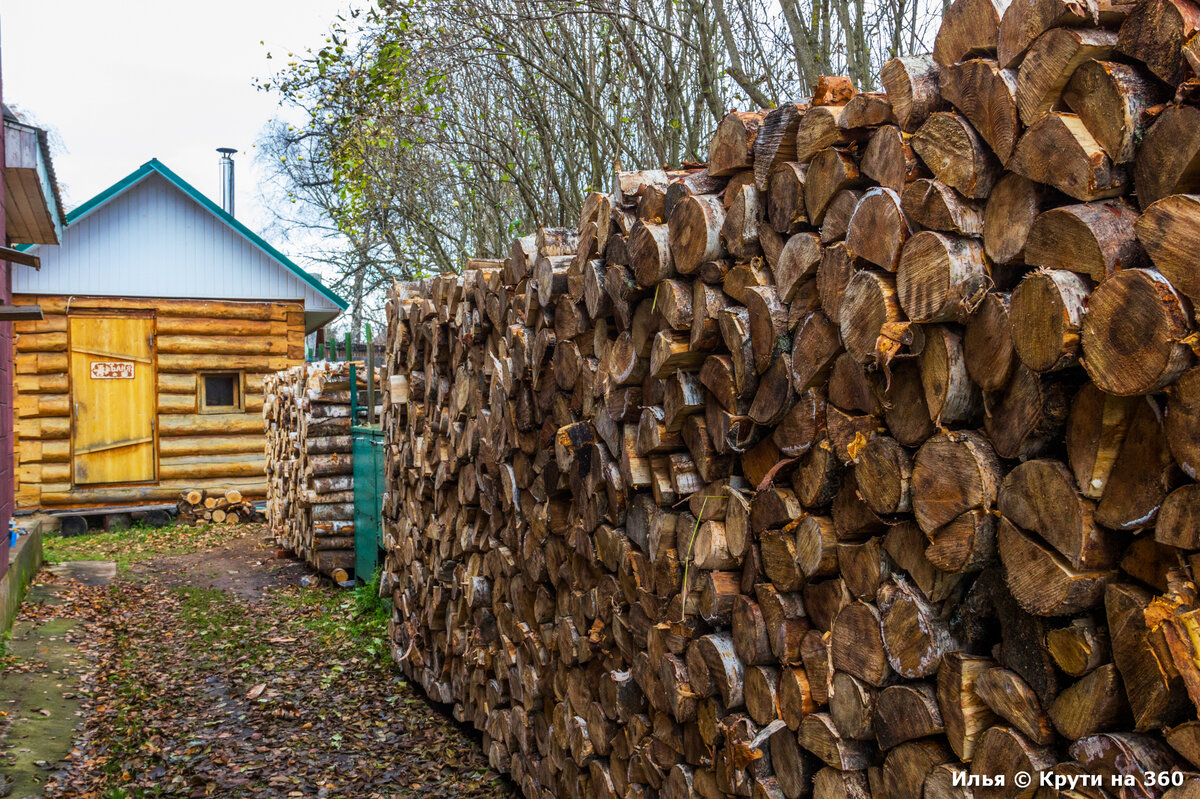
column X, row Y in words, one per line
column 221, row 393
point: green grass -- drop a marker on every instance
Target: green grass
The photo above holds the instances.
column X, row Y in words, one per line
column 352, row 621
column 357, row 619
column 138, row 543
column 217, row 620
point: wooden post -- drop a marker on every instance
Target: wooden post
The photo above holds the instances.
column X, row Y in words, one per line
column 370, row 377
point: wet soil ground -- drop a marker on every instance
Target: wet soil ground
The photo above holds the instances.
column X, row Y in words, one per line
column 216, row 673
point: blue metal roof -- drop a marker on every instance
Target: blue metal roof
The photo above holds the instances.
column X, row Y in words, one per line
column 154, row 166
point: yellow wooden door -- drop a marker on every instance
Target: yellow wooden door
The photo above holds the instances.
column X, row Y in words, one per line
column 113, row 396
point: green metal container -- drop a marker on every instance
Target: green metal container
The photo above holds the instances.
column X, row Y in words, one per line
column 368, row 469
column 368, row 500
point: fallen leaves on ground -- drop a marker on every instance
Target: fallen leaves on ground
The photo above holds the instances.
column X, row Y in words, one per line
column 139, row 544
column 195, row 692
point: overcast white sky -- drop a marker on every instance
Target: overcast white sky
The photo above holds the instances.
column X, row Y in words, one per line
column 131, row 80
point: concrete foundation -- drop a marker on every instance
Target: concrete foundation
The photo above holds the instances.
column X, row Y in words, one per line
column 23, row 562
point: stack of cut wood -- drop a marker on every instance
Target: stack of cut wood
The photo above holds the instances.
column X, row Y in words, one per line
column 861, row 461
column 200, row 506
column 310, row 466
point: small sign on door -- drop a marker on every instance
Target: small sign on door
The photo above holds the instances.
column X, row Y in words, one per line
column 112, row 370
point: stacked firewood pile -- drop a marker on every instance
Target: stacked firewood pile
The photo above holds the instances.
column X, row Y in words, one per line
column 310, row 466
column 861, row 461
column 200, row 506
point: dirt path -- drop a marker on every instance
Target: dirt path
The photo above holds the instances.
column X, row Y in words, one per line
column 246, row 567
column 216, row 674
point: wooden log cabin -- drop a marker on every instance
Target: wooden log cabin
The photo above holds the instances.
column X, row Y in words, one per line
column 161, row 315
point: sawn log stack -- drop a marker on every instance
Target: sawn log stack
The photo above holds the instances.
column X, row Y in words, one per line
column 199, row 506
column 310, row 472
column 857, row 463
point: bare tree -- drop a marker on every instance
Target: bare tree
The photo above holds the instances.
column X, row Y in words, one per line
column 437, row 130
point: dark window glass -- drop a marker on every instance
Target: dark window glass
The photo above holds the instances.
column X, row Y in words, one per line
column 220, row 391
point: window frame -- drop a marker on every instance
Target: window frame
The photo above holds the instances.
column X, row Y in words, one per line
column 239, row 387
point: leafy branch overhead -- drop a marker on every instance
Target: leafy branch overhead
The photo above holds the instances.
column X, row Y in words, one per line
column 426, row 132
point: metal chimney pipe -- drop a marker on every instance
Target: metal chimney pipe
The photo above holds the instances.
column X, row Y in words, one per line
column 226, row 166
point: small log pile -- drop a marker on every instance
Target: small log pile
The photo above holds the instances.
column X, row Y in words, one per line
column 860, row 462
column 310, row 464
column 200, row 506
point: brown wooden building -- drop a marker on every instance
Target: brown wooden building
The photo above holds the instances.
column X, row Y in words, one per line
column 161, row 315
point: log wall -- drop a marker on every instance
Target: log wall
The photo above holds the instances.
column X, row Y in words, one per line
column 208, row 451
column 861, row 462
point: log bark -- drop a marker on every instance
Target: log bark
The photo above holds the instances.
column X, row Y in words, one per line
column 952, row 474
column 889, row 159
column 1050, row 63
column 1168, row 160
column 934, row 205
column 1047, row 313
column 941, row 278
column 968, row 29
column 1111, row 99
column 1154, row 33
column 1121, row 361
column 987, row 343
column 878, row 229
column 987, row 96
column 956, row 154
column 1167, row 230
column 1058, row 150
column 1008, row 217
column 1094, row 239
